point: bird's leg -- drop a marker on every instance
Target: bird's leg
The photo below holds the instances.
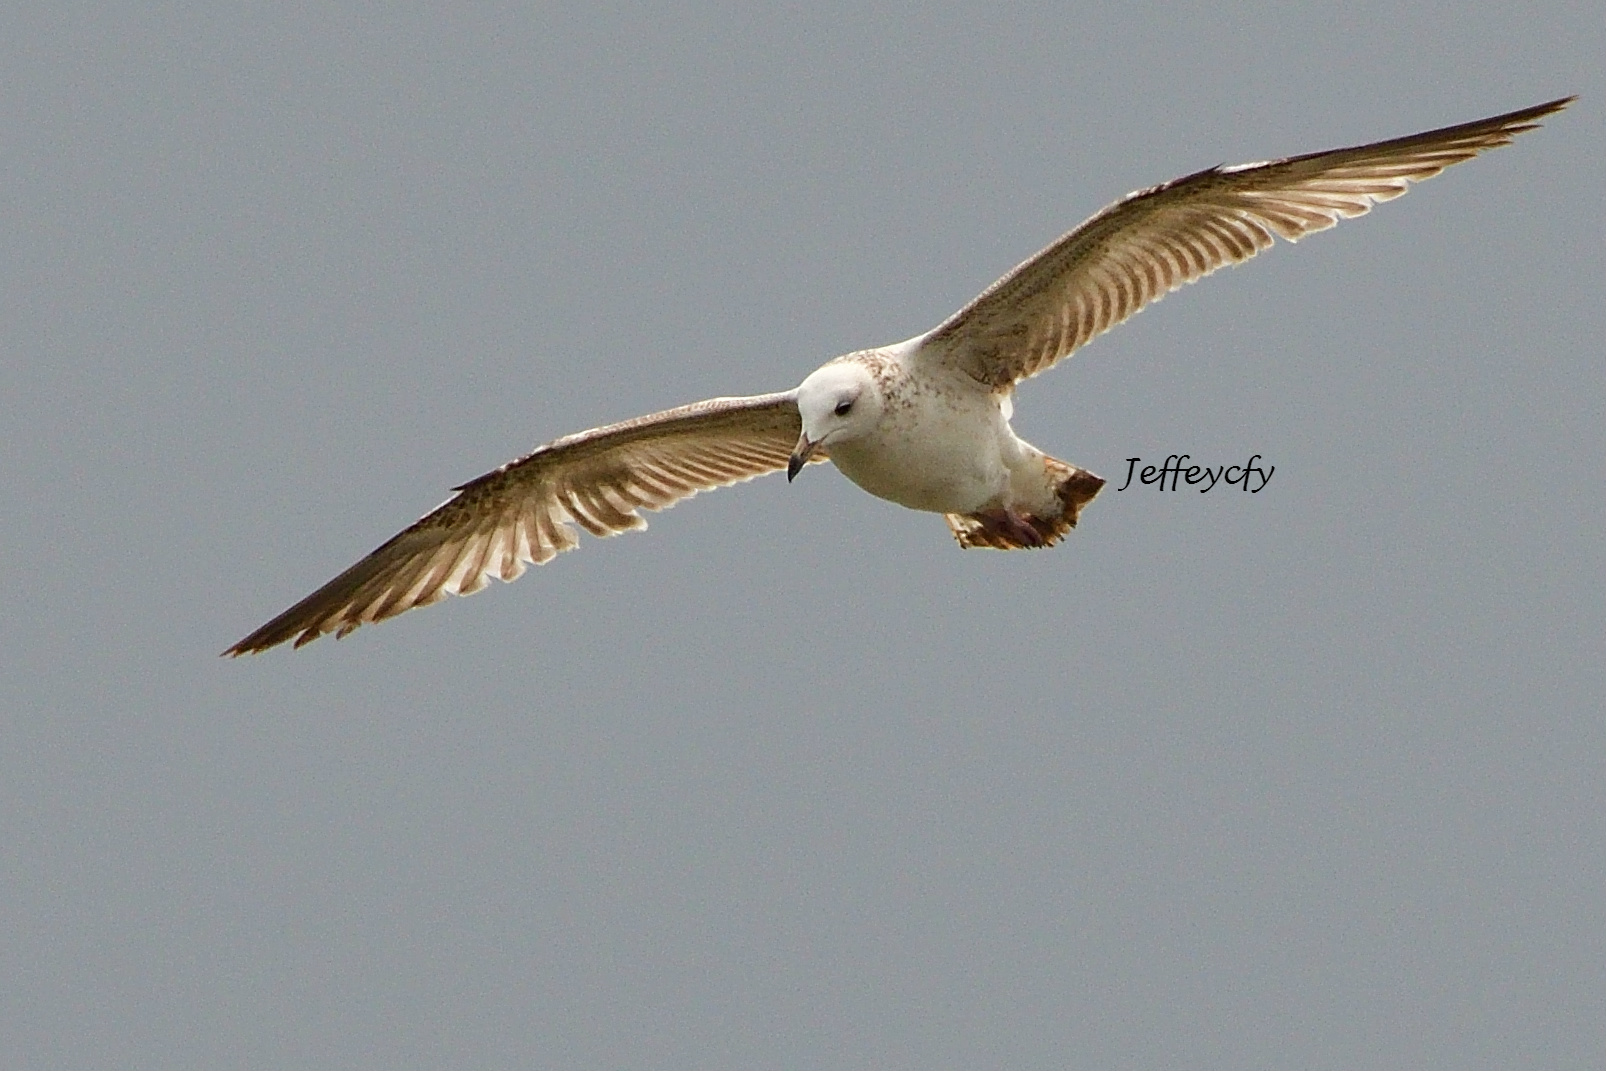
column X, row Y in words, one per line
column 1025, row 529
column 1011, row 527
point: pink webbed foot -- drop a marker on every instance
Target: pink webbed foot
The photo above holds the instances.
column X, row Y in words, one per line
column 1014, row 527
column 1001, row 529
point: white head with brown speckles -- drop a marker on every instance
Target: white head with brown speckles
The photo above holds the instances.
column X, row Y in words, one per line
column 839, row 402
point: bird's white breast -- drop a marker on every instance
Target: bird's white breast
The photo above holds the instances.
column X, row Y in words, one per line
column 939, row 446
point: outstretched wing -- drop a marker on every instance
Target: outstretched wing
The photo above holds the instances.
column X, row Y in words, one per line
column 522, row 511
column 1153, row 241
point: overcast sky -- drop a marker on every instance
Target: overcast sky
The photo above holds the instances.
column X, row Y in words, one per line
column 1304, row 778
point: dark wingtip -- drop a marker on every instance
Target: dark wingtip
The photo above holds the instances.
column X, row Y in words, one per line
column 269, row 636
column 245, row 647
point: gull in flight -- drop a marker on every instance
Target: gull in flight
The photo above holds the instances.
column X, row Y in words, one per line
column 923, row 423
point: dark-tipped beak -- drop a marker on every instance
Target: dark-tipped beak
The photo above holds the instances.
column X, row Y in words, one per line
column 800, row 457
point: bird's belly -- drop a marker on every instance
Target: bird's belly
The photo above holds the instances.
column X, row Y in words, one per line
column 924, row 474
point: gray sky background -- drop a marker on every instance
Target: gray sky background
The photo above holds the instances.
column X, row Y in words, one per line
column 1314, row 777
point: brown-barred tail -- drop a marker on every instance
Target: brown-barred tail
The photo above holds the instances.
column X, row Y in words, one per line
column 1008, row 530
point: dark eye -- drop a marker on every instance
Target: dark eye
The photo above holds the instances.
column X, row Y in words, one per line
column 843, row 406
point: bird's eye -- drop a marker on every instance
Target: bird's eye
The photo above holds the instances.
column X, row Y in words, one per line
column 843, row 406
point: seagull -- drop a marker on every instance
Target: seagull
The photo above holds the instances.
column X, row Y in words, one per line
column 924, row 422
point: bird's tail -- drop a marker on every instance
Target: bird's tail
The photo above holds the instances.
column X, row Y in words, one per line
column 1000, row 530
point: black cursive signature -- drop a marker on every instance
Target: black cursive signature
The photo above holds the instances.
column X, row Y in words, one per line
column 1178, row 471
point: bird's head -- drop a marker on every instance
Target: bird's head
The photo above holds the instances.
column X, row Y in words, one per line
column 839, row 402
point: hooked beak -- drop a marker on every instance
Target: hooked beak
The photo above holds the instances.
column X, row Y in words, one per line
column 800, row 457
